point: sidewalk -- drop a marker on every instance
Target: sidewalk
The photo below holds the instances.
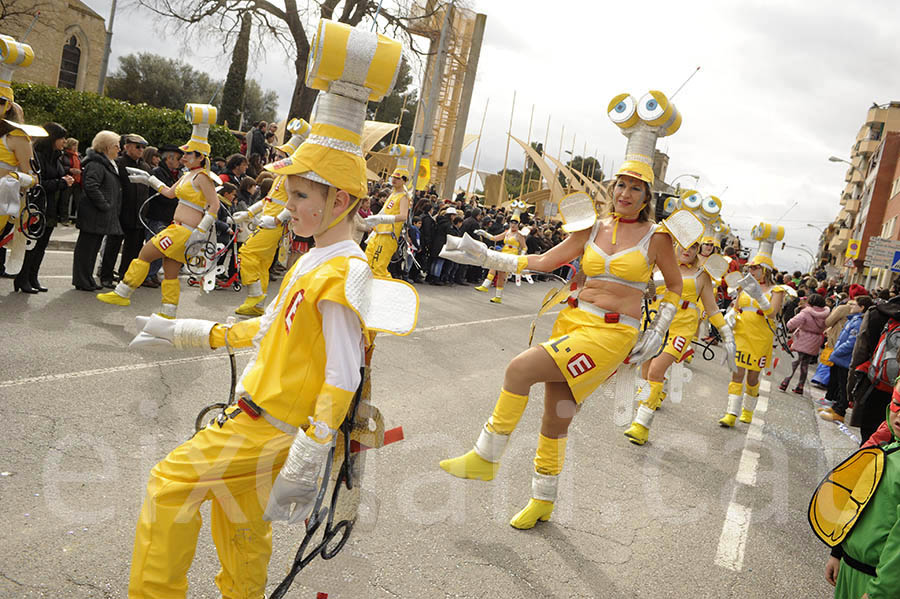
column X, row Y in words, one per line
column 63, row 238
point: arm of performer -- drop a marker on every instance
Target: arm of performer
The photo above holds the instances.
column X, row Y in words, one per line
column 294, row 491
column 662, row 253
column 776, row 303
column 21, row 148
column 183, row 333
column 271, row 222
column 389, row 219
column 242, row 216
column 465, row 250
column 708, row 297
column 142, row 177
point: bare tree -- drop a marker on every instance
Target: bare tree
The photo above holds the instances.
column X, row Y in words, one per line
column 287, row 26
column 16, row 15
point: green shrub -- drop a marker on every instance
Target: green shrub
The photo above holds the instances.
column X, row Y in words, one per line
column 83, row 114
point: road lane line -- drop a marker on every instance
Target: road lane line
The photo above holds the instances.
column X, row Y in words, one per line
column 735, row 529
column 144, row 365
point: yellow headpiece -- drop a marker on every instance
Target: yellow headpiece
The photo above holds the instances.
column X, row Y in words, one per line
column 352, row 67
column 402, row 172
column 13, row 54
column 200, row 116
column 642, row 123
column 299, row 130
column 708, row 210
column 766, row 235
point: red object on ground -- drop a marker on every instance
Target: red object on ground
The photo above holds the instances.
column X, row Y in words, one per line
column 775, row 363
column 321, row 595
column 390, row 436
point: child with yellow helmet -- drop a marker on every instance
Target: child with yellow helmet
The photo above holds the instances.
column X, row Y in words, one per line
column 262, row 460
column 618, row 251
column 753, row 313
column 194, row 219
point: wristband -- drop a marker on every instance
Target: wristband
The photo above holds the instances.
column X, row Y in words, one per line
column 717, row 320
column 670, row 297
column 522, row 263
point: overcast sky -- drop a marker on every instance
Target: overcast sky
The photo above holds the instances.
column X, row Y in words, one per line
column 782, row 86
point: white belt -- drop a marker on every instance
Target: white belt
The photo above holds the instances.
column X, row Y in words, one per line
column 622, row 318
column 190, row 205
column 280, row 424
column 620, row 281
column 683, row 304
column 188, row 227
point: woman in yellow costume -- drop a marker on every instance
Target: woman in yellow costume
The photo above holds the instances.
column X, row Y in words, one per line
column 754, row 312
column 388, row 224
column 696, row 288
column 588, row 342
column 514, row 244
column 270, row 215
column 195, row 216
column 15, row 152
column 261, row 461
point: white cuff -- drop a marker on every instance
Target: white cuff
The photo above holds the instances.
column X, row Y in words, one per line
column 304, row 460
column 501, row 262
column 544, row 486
column 490, row 446
column 192, row 333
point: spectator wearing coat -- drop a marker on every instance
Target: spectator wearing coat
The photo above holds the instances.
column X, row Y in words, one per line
column 133, row 197
column 98, row 212
column 809, row 332
column 443, row 223
column 71, row 196
column 840, row 358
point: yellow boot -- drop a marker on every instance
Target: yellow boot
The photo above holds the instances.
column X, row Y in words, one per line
column 117, row 297
column 734, row 404
column 548, row 463
column 746, row 416
column 481, row 288
column 751, row 395
column 134, row 276
column 486, row 285
column 537, row 509
column 496, row 300
column 251, row 306
column 639, row 431
column 482, row 462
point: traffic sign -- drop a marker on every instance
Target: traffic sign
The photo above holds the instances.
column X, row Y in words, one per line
column 849, row 263
column 895, row 266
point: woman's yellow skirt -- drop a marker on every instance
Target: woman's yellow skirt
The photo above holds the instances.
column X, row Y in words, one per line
column 753, row 339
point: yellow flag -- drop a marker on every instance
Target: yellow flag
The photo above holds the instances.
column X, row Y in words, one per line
column 853, row 248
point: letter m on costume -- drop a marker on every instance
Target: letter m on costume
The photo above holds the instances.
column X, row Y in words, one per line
column 292, row 310
column 579, row 364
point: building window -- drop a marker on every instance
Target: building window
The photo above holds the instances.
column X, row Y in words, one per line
column 68, row 68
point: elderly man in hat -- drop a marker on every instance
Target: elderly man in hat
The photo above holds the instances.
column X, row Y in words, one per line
column 133, row 197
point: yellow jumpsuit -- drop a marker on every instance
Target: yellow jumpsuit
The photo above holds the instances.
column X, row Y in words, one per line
column 754, row 332
column 687, row 317
column 383, row 242
column 235, row 465
column 257, row 254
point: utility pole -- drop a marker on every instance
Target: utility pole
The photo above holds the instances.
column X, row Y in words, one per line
column 105, row 64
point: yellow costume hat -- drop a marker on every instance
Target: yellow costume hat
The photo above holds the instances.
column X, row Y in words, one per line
column 299, row 130
column 402, row 172
column 766, row 235
column 200, row 116
column 406, row 159
column 13, row 54
column 708, row 209
column 643, row 123
column 352, row 66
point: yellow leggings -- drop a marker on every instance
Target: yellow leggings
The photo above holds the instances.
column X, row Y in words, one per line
column 234, row 466
column 257, row 255
column 379, row 252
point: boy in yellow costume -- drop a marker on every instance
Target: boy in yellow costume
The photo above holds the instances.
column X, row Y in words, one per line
column 270, row 215
column 263, row 462
column 388, row 224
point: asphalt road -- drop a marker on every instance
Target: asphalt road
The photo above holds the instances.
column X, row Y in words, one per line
column 700, row 511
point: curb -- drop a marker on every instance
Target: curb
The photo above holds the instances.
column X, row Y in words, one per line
column 66, row 246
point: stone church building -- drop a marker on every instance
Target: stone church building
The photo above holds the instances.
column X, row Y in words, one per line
column 68, row 38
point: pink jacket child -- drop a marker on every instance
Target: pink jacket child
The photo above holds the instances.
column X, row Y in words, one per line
column 809, row 332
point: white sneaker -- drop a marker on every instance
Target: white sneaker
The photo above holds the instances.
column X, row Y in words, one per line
column 823, row 402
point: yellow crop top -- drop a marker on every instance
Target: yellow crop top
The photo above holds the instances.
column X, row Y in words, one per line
column 7, row 156
column 689, row 291
column 629, row 267
column 511, row 244
column 189, row 195
column 277, row 198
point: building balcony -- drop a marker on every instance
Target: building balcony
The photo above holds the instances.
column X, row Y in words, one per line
column 852, row 206
column 876, row 115
column 867, row 146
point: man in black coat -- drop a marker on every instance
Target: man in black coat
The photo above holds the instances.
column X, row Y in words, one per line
column 160, row 209
column 133, row 197
column 471, row 274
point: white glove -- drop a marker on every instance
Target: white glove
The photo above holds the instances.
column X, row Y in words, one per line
column 298, row 481
column 26, row 181
column 142, row 177
column 481, row 233
column 730, row 317
column 652, row 338
column 380, row 219
column 465, row 250
column 268, row 222
column 181, row 333
column 750, row 285
column 240, row 217
column 200, row 233
column 283, row 216
column 256, row 208
column 730, row 347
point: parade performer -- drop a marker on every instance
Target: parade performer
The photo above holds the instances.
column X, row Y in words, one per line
column 195, row 217
column 854, row 511
column 261, row 461
column 514, row 244
column 588, row 341
column 754, row 312
column 16, row 174
column 382, row 242
column 697, row 287
column 269, row 215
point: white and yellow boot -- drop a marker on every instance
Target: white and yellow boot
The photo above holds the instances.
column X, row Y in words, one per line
column 734, row 404
column 498, row 296
column 751, row 395
column 486, row 285
column 134, row 276
column 171, row 293
column 548, row 463
column 482, row 462
column 639, row 431
column 255, row 297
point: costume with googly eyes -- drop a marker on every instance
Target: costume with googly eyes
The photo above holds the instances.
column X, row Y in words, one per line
column 262, row 459
column 588, row 342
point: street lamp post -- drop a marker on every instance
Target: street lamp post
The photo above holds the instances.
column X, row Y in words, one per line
column 696, row 179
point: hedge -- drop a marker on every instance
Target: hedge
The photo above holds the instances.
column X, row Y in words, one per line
column 83, row 114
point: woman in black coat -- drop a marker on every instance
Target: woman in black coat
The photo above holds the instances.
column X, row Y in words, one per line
column 53, row 180
column 98, row 212
column 441, row 229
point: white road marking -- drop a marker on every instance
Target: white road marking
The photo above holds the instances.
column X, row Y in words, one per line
column 733, row 540
column 144, row 365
